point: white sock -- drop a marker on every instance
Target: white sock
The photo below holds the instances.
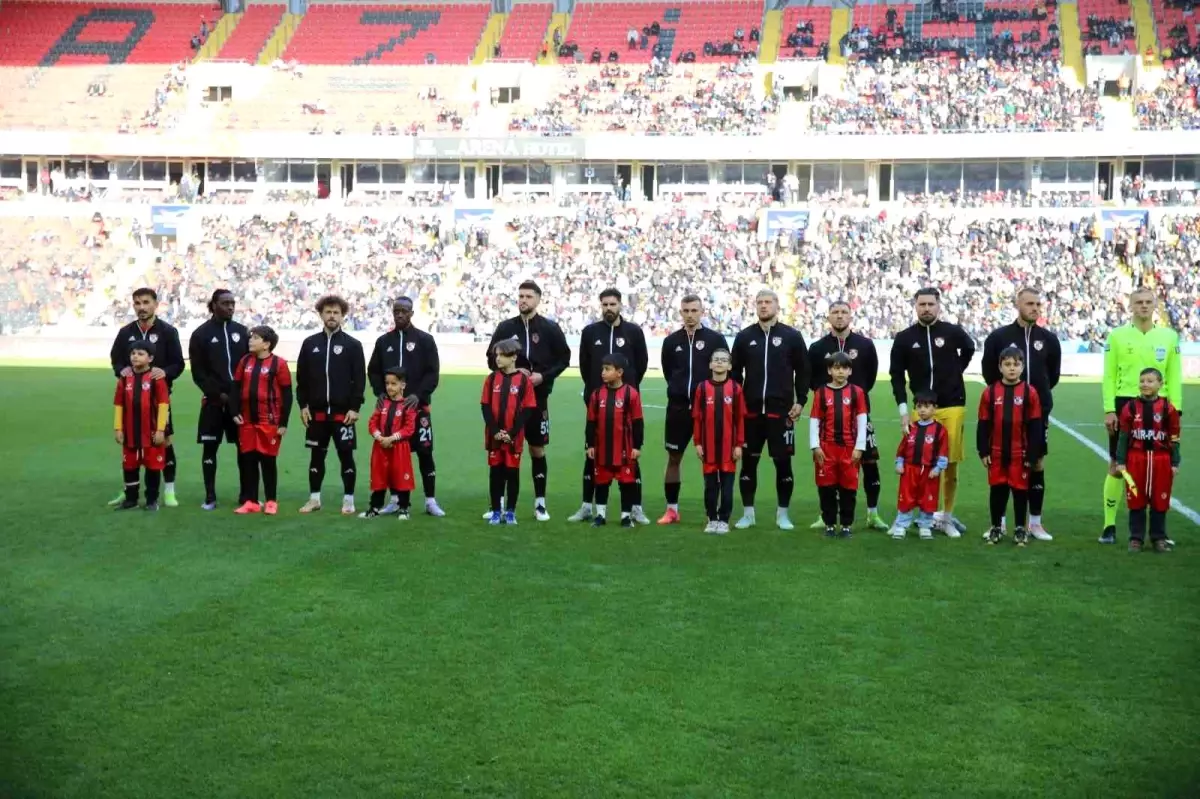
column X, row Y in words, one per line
column 348, row 498
column 781, row 512
column 315, row 497
column 872, row 510
column 624, row 515
column 540, row 501
column 674, row 507
column 637, row 508
column 1035, row 521
column 602, row 511
column 748, row 511
column 169, row 488
column 430, row 501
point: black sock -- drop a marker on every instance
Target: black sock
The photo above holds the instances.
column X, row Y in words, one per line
column 169, row 465
column 133, row 482
column 377, row 499
column 712, row 494
column 208, row 467
column 1020, row 508
column 784, row 482
column 539, row 476
column 270, row 477
column 428, row 472
column 749, row 480
column 403, row 499
column 829, row 504
column 589, row 480
column 871, row 484
column 672, row 492
column 1158, row 525
column 248, row 472
column 998, row 503
column 627, row 492
column 316, row 469
column 1037, row 493
column 602, row 490
column 153, row 482
column 349, row 473
column 847, row 499
column 514, row 488
column 637, row 483
column 496, row 479
column 1137, row 525
column 725, row 509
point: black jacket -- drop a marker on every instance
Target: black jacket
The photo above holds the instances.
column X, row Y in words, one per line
column 331, row 375
column 214, row 350
column 168, row 352
column 544, row 349
column 934, row 359
column 1043, row 358
column 772, row 367
column 861, row 351
column 413, row 349
column 685, row 361
column 599, row 339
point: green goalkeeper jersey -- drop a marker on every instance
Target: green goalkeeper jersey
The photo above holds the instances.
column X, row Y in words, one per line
column 1128, row 351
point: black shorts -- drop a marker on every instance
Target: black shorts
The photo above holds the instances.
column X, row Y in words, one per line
column 214, row 422
column 778, row 433
column 537, row 426
column 422, row 437
column 871, row 453
column 1112, row 437
column 677, row 433
column 318, row 435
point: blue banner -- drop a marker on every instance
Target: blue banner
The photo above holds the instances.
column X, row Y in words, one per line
column 1129, row 220
column 166, row 219
column 472, row 216
column 780, row 220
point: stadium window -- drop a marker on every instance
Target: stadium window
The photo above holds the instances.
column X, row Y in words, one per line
column 1185, row 170
column 366, row 172
column 803, row 174
column 219, row 171
column 695, row 173
column 302, row 172
column 540, row 174
column 245, row 171
column 275, row 171
column 128, row 170
column 514, row 174
column 826, row 178
column 670, row 174
column 422, row 172
column 1159, row 169
column 97, row 169
column 154, row 170
column 602, row 174
column 945, row 176
column 731, row 173
column 854, row 177
column 1054, row 172
column 909, row 179
column 755, row 173
column 979, row 176
column 448, row 172
column 1011, row 176
column 11, row 168
column 1081, row 172
column 394, row 172
column 76, row 170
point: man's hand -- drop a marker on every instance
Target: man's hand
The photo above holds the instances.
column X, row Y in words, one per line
column 986, row 460
column 158, row 374
column 1174, row 470
column 737, row 453
column 158, row 439
column 305, row 416
column 1111, row 422
column 899, row 468
column 635, row 453
column 412, row 401
column 795, row 411
column 857, row 455
column 282, row 432
column 239, row 419
column 1119, row 469
column 591, row 453
column 700, row 452
column 351, row 417
column 935, row 472
column 127, row 371
column 818, row 456
column 386, row 442
column 1040, row 465
column 905, row 422
column 119, row 435
column 535, row 378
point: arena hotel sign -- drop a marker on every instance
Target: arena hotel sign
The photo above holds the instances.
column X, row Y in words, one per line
column 538, row 149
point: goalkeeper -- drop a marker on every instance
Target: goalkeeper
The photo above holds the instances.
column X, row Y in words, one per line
column 1129, row 350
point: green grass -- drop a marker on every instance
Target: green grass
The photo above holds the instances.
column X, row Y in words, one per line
column 186, row 654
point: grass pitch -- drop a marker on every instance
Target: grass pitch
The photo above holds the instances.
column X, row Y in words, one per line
column 187, row 654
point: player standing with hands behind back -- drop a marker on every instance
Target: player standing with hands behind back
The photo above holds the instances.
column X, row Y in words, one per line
column 1148, row 459
column 331, row 377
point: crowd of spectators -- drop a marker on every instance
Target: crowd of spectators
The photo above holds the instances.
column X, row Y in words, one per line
column 1182, row 39
column 1173, row 104
column 1119, row 34
column 948, row 30
column 941, row 95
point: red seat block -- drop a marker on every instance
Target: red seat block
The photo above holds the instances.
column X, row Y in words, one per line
column 355, row 34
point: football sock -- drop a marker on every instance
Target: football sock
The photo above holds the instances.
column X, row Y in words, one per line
column 1037, row 496
column 637, row 484
column 998, row 502
column 871, row 485
column 153, row 481
column 749, row 480
column 671, row 490
column 1020, row 508
column 712, row 494
column 248, row 472
column 602, row 499
column 725, row 510
column 132, row 484
column 514, row 488
column 270, row 477
column 497, row 476
column 376, row 500
column 1137, row 524
column 949, row 488
column 539, row 476
column 346, row 459
column 847, row 500
column 428, row 473
column 829, row 505
column 589, row 480
column 169, row 466
column 316, row 470
column 627, row 492
column 1158, row 525
column 403, row 499
column 208, row 467
column 1114, row 489
column 784, row 482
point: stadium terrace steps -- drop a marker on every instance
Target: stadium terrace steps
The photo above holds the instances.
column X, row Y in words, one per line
column 768, row 50
column 277, row 45
column 561, row 22
column 1071, row 37
column 249, row 38
column 387, row 34
column 1147, row 36
column 217, row 37
column 840, row 22
column 492, row 32
column 130, row 94
column 525, row 33
column 684, row 26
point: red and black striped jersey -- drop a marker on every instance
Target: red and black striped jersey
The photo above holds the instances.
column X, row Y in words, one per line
column 262, row 390
column 392, row 418
column 923, row 445
column 718, row 419
column 506, row 401
column 1152, row 425
column 1010, row 422
column 614, row 424
column 139, row 397
column 838, row 410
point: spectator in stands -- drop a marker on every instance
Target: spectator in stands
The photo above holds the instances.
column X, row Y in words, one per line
column 1172, row 105
column 631, row 38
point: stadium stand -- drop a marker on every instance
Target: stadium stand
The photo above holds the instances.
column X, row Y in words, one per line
column 525, row 31
column 637, row 31
column 91, row 98
column 997, row 29
column 1173, row 104
column 1108, row 27
column 253, row 30
column 347, row 34
column 1178, row 28
column 805, row 30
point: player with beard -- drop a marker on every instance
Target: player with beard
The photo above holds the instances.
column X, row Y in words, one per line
column 865, row 370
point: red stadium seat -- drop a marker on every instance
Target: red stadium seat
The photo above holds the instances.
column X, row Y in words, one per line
column 526, row 31
column 252, row 33
column 354, row 34
column 605, row 26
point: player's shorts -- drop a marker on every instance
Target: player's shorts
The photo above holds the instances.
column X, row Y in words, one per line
column 953, row 420
column 777, row 433
column 261, row 438
column 505, row 456
column 1153, row 479
column 392, row 468
column 537, row 426
column 153, row 458
column 871, row 453
column 726, row 467
column 321, row 431
column 1112, row 437
column 677, row 432
column 422, row 437
column 1015, row 475
column 839, row 469
column 624, row 474
column 918, row 490
column 215, row 422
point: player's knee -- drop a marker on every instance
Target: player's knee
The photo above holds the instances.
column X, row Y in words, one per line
column 537, row 452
